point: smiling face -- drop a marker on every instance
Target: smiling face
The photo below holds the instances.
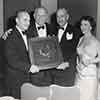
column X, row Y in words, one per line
column 85, row 26
column 23, row 20
column 41, row 16
column 62, row 17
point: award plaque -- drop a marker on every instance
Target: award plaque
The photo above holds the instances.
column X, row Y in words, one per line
column 45, row 52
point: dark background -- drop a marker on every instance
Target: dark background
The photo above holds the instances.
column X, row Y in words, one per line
column 77, row 8
column 11, row 6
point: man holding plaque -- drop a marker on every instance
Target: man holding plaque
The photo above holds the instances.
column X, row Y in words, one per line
column 68, row 39
column 18, row 64
column 40, row 29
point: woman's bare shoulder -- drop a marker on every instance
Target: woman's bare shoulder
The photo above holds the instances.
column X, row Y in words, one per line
column 95, row 40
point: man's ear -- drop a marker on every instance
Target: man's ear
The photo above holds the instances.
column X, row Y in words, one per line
column 16, row 20
column 34, row 15
column 67, row 17
column 90, row 27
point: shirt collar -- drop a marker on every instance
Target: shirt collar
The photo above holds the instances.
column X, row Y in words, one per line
column 20, row 31
column 65, row 26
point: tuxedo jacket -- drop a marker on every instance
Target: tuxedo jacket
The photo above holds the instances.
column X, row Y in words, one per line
column 43, row 77
column 17, row 61
column 68, row 41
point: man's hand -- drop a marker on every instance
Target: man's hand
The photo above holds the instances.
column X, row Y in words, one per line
column 34, row 69
column 5, row 35
column 63, row 66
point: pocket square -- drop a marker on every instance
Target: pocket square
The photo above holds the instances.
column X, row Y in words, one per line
column 69, row 36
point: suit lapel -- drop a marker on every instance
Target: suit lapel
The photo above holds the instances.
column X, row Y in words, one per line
column 20, row 40
column 47, row 29
column 32, row 31
column 68, row 30
column 35, row 30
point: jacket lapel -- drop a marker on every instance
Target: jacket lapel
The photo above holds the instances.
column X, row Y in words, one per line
column 20, row 40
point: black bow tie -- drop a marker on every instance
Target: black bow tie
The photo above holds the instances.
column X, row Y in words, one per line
column 24, row 32
column 61, row 28
column 40, row 27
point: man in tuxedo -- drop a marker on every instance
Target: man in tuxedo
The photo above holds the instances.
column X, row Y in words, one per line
column 68, row 39
column 40, row 28
column 18, row 64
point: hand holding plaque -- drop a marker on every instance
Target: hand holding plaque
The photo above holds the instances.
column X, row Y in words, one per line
column 63, row 66
column 34, row 69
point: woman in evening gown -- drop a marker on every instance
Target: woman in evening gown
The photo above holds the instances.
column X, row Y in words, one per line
column 88, row 51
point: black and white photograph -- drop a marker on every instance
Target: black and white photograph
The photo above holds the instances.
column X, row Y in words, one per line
column 49, row 50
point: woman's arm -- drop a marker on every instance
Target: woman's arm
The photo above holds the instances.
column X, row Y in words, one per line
column 97, row 58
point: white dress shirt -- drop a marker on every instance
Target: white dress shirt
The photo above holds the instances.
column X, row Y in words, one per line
column 61, row 32
column 41, row 32
column 23, row 36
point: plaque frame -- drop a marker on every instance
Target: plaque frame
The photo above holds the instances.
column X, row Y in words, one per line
column 45, row 52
